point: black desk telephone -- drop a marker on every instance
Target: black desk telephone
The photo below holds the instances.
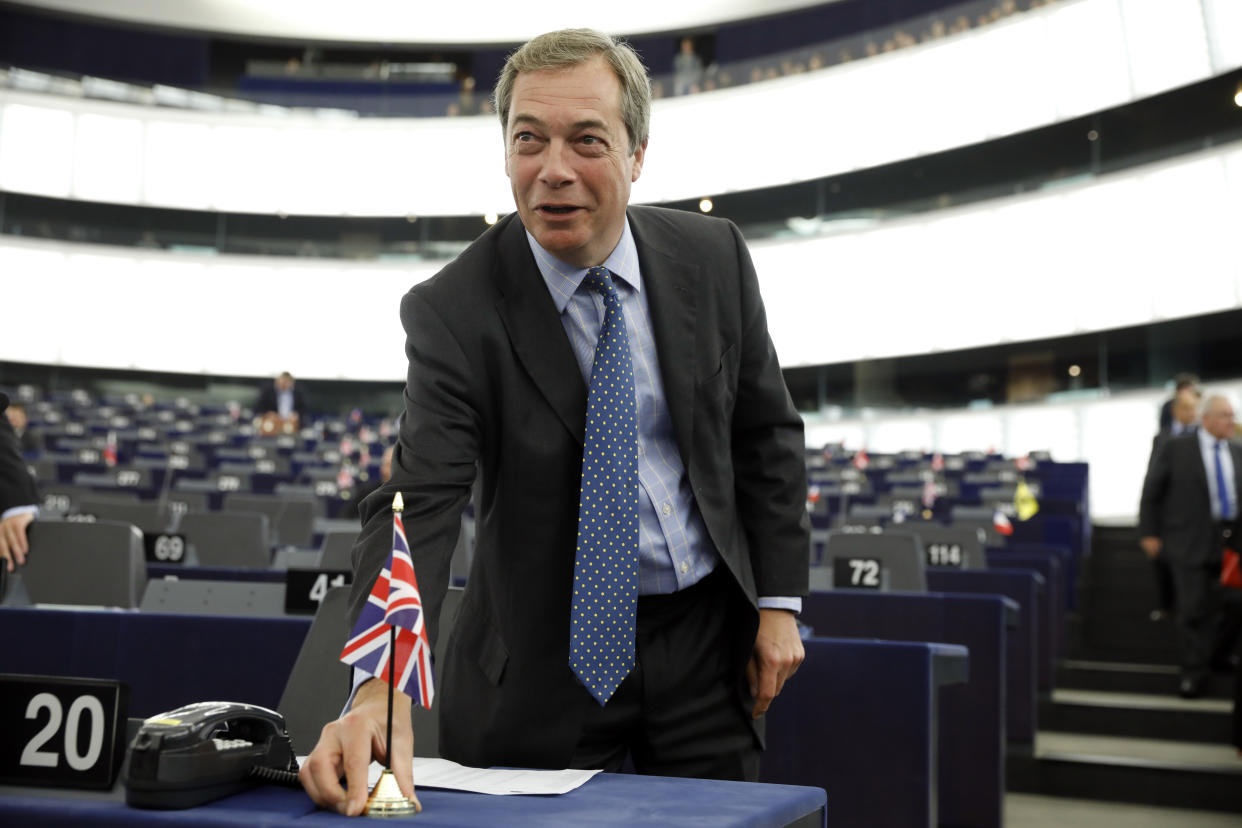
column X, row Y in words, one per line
column 205, row 751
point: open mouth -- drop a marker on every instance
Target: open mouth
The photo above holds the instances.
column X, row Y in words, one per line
column 558, row 209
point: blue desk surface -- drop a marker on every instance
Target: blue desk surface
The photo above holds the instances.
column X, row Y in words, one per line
column 607, row 799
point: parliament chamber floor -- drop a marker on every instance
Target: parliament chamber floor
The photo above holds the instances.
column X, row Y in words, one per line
column 973, row 642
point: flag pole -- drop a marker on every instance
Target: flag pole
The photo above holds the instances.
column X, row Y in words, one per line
column 397, row 507
column 392, row 650
column 386, row 799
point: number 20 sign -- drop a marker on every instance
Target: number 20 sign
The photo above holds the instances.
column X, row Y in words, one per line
column 65, row 732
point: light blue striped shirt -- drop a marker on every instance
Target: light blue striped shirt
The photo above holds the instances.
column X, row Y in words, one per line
column 674, row 551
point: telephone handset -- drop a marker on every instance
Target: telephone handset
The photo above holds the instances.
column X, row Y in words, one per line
column 205, row 751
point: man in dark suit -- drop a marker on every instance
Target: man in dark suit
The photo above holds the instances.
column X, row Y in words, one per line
column 1189, row 512
column 501, row 345
column 283, row 397
column 1183, row 412
column 1182, row 382
column 19, row 499
column 27, row 440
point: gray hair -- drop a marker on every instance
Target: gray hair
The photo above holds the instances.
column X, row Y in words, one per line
column 569, row 47
column 1214, row 401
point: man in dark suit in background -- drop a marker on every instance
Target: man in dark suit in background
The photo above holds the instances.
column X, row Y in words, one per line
column 1189, row 512
column 19, row 499
column 1184, row 410
column 1182, row 382
column 27, row 439
column 282, row 396
column 501, row 345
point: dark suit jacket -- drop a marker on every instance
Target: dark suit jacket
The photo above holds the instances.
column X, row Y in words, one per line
column 267, row 401
column 1176, row 502
column 493, row 385
column 1163, row 436
column 17, row 488
column 1166, row 415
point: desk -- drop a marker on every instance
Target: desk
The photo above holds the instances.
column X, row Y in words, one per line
column 607, row 800
column 168, row 660
column 971, row 717
column 859, row 719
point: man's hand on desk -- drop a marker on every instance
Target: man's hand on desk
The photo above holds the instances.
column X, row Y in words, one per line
column 778, row 653
column 347, row 746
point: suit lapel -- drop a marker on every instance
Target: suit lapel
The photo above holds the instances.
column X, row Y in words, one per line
column 535, row 330
column 1200, row 471
column 671, row 284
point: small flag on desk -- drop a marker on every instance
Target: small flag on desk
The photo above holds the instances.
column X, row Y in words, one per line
column 861, row 461
column 1024, row 501
column 394, row 603
column 1000, row 522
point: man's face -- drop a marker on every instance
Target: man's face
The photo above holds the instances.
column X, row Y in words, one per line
column 284, row 383
column 1184, row 409
column 1218, row 420
column 17, row 417
column 567, row 155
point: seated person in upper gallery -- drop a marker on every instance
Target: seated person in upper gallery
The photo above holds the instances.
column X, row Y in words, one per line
column 281, row 406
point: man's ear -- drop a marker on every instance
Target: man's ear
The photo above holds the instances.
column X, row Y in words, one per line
column 639, row 154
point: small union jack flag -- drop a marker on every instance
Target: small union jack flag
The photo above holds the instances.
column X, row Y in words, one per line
column 394, row 602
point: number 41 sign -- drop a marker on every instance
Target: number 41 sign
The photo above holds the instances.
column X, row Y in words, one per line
column 65, row 732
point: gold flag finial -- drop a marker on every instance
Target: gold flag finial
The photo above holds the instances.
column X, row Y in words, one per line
column 397, row 503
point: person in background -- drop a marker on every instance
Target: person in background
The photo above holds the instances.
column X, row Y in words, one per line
column 28, row 441
column 687, row 69
column 1182, row 382
column 1189, row 512
column 284, row 397
column 19, row 498
column 1184, row 410
column 362, row 490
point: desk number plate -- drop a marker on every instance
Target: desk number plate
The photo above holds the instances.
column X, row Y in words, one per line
column 856, row 573
column 305, row 588
column 61, row 732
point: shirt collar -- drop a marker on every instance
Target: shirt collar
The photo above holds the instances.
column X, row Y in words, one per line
column 563, row 280
column 1207, row 440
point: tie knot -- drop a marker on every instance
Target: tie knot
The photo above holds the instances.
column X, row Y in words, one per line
column 599, row 280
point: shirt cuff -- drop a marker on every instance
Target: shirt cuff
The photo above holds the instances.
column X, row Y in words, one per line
column 32, row 509
column 360, row 678
column 792, row 604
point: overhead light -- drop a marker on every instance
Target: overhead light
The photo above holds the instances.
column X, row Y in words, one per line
column 1237, row 96
column 705, row 206
column 490, row 218
column 1074, row 370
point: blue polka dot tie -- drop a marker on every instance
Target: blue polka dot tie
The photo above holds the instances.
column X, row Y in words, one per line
column 601, row 647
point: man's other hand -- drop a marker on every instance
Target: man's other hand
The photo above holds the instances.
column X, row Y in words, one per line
column 347, row 746
column 13, row 543
column 778, row 652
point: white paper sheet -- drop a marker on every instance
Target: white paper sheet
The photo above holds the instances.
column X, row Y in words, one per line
column 441, row 773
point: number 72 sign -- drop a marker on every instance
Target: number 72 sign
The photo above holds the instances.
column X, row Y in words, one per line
column 856, row 573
